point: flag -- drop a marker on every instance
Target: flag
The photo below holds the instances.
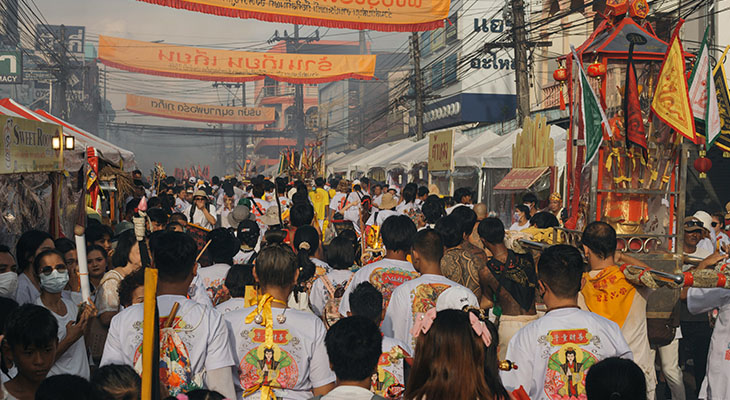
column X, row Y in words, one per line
column 723, row 99
column 633, row 121
column 702, row 94
column 593, row 117
column 671, row 97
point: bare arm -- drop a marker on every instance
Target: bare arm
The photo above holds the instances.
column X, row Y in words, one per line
column 323, row 390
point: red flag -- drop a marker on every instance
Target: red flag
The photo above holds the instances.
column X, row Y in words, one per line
column 633, row 121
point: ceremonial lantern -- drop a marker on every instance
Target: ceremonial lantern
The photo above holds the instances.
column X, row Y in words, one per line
column 617, row 7
column 561, row 75
column 703, row 164
column 596, row 70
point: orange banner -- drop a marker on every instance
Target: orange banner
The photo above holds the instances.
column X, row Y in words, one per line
column 378, row 15
column 199, row 112
column 231, row 66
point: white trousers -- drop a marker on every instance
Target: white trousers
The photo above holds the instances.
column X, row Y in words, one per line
column 669, row 360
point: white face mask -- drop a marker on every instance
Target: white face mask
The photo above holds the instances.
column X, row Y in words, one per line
column 55, row 282
column 8, row 284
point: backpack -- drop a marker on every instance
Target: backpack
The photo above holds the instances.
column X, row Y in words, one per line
column 331, row 313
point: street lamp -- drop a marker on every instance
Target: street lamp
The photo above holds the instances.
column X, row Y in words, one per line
column 56, row 143
column 69, row 143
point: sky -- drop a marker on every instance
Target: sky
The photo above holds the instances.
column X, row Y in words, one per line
column 148, row 22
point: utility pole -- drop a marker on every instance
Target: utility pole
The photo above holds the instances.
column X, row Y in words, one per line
column 361, row 92
column 63, row 75
column 519, row 38
column 296, row 42
column 416, row 54
column 106, row 115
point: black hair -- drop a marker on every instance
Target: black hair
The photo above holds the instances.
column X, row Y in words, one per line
column 561, row 268
column 64, row 387
column 600, row 237
column 125, row 242
column 367, row 301
column 301, row 214
column 200, row 394
column 97, row 232
column 544, row 219
column 529, row 198
column 128, row 285
column 31, row 325
column 428, row 244
column 178, row 216
column 215, row 180
column 467, row 219
column 248, row 233
column 153, row 203
column 356, row 188
column 615, row 378
column 174, row 254
column 258, row 191
column 301, row 198
column 460, row 193
column 524, row 209
column 319, row 182
column 306, row 243
column 450, row 230
column 491, row 230
column 116, row 382
column 96, row 247
column 276, row 265
column 354, row 345
column 131, row 205
column 433, row 208
column 274, row 236
column 409, row 193
column 172, row 225
column 158, row 215
column 422, row 191
column 26, row 247
column 64, row 245
column 280, row 183
column 4, row 249
column 43, row 254
column 223, row 245
column 268, row 185
column 341, row 253
column 238, row 277
column 136, row 172
column 397, row 233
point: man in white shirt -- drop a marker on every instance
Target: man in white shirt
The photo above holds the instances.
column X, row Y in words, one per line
column 419, row 295
column 392, row 271
column 716, row 384
column 353, row 347
column 199, row 332
column 201, row 212
column 554, row 353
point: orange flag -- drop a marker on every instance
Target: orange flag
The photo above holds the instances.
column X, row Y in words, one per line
column 671, row 98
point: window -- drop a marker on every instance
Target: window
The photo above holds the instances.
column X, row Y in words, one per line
column 450, row 67
column 437, row 73
column 425, row 45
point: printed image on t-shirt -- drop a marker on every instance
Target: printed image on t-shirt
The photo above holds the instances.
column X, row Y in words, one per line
column 268, row 366
column 569, row 364
column 217, row 293
column 387, row 381
column 386, row 279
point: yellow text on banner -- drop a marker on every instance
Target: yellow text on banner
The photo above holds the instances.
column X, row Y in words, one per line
column 199, row 112
column 231, row 66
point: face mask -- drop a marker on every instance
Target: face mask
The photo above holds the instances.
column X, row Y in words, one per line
column 55, row 282
column 8, row 284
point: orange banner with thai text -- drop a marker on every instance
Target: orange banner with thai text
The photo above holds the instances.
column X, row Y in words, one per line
column 199, row 112
column 231, row 66
column 378, row 15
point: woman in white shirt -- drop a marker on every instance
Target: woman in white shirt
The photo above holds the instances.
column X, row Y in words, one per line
column 521, row 217
column 201, row 212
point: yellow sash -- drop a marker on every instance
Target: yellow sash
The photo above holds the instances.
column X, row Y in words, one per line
column 609, row 294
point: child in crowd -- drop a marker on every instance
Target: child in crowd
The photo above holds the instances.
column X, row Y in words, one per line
column 116, row 382
column 279, row 351
column 390, row 377
column 100, row 235
column 248, row 233
column 31, row 340
column 71, row 356
column 64, row 387
column 615, row 379
column 241, row 285
column 353, row 346
column 200, row 335
column 131, row 289
column 327, row 290
column 223, row 246
column 96, row 258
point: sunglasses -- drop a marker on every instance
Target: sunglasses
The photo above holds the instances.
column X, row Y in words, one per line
column 199, row 198
column 715, row 224
column 48, row 270
column 691, row 224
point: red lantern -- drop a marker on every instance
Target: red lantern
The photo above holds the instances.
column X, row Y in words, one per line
column 560, row 74
column 703, row 164
column 596, row 70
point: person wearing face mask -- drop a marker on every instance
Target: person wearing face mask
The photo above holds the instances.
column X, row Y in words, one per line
column 521, row 218
column 8, row 273
column 30, row 244
column 71, row 356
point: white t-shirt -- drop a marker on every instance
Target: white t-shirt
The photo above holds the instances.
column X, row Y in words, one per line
column 717, row 382
column 406, row 208
column 223, row 217
column 26, row 292
column 321, row 266
column 318, row 294
column 232, row 304
column 517, row 227
column 180, row 205
column 74, row 361
column 706, row 244
column 337, row 201
column 243, row 257
column 722, row 239
column 391, row 370
column 299, row 361
column 381, row 217
column 213, row 277
column 202, row 331
column 452, row 208
column 413, row 297
column 541, row 351
column 348, row 392
column 197, row 292
column 386, row 275
column 353, row 213
column 377, row 199
column 199, row 218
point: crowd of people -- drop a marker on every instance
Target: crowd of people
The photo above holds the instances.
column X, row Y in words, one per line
column 341, row 290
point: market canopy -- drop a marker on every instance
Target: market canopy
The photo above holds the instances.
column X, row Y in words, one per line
column 231, row 66
column 398, row 16
column 520, row 178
